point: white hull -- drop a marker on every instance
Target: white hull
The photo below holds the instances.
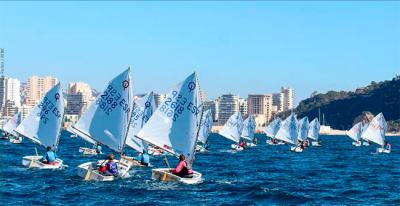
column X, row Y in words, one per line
column 87, row 151
column 380, row 150
column 236, row 147
column 163, row 174
column 200, row 149
column 357, row 144
column 365, row 144
column 34, row 162
column 272, row 143
column 296, row 149
column 89, row 171
column 251, row 144
column 16, row 141
column 315, row 144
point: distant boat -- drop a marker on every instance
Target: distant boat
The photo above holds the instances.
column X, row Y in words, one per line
column 313, row 132
column 205, row 129
column 303, row 127
column 232, row 130
column 288, row 132
column 11, row 125
column 375, row 132
column 271, row 131
column 249, row 126
column 355, row 134
column 175, row 127
column 143, row 110
column 43, row 127
column 106, row 122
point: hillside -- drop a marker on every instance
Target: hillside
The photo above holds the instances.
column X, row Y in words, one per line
column 342, row 108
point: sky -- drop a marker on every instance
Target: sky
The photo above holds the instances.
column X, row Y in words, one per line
column 235, row 47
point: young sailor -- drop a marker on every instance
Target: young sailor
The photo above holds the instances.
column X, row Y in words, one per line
column 387, row 146
column 143, row 158
column 181, row 169
column 50, row 156
column 111, row 167
column 242, row 143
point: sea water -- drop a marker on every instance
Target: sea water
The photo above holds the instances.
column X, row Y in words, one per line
column 336, row 173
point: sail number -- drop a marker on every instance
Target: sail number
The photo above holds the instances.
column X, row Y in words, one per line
column 47, row 107
column 110, row 99
column 174, row 106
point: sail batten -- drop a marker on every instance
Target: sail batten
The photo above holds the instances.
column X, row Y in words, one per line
column 43, row 123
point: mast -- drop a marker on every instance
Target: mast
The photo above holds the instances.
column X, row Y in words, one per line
column 198, row 126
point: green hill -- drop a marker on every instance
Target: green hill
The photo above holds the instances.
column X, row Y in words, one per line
column 342, row 108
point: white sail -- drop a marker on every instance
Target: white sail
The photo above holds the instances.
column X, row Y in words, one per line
column 313, row 131
column 43, row 123
column 249, row 125
column 233, row 127
column 205, row 126
column 288, row 130
column 376, row 130
column 303, row 126
column 12, row 124
column 106, row 121
column 174, row 125
column 355, row 132
column 143, row 110
column 273, row 128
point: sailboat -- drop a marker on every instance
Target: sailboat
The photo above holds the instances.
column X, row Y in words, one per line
column 175, row 127
column 43, row 127
column 232, row 130
column 249, row 125
column 363, row 128
column 302, row 131
column 313, row 132
column 271, row 131
column 106, row 122
column 288, row 132
column 375, row 132
column 355, row 134
column 143, row 110
column 11, row 125
column 205, row 129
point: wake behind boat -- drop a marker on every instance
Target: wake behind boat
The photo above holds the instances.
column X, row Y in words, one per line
column 43, row 127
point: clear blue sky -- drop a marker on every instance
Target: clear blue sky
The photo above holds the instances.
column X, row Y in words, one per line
column 238, row 47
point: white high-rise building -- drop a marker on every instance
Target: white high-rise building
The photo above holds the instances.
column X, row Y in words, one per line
column 228, row 105
column 288, row 98
column 243, row 107
column 13, row 91
column 277, row 100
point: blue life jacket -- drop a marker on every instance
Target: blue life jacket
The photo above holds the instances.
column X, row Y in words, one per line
column 112, row 167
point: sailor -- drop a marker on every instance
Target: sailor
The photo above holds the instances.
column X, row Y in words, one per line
column 50, row 156
column 206, row 145
column 143, row 158
column 242, row 143
column 111, row 166
column 388, row 147
column 182, row 169
column 255, row 140
column 98, row 149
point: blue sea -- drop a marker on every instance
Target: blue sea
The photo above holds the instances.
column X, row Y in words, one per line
column 335, row 174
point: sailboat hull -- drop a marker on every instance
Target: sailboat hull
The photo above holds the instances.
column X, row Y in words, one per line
column 357, row 144
column 315, row 144
column 251, row 144
column 163, row 174
column 296, row 149
column 236, row 147
column 365, row 144
column 200, row 149
column 87, row 151
column 380, row 150
column 34, row 162
column 16, row 141
column 89, row 171
column 270, row 142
